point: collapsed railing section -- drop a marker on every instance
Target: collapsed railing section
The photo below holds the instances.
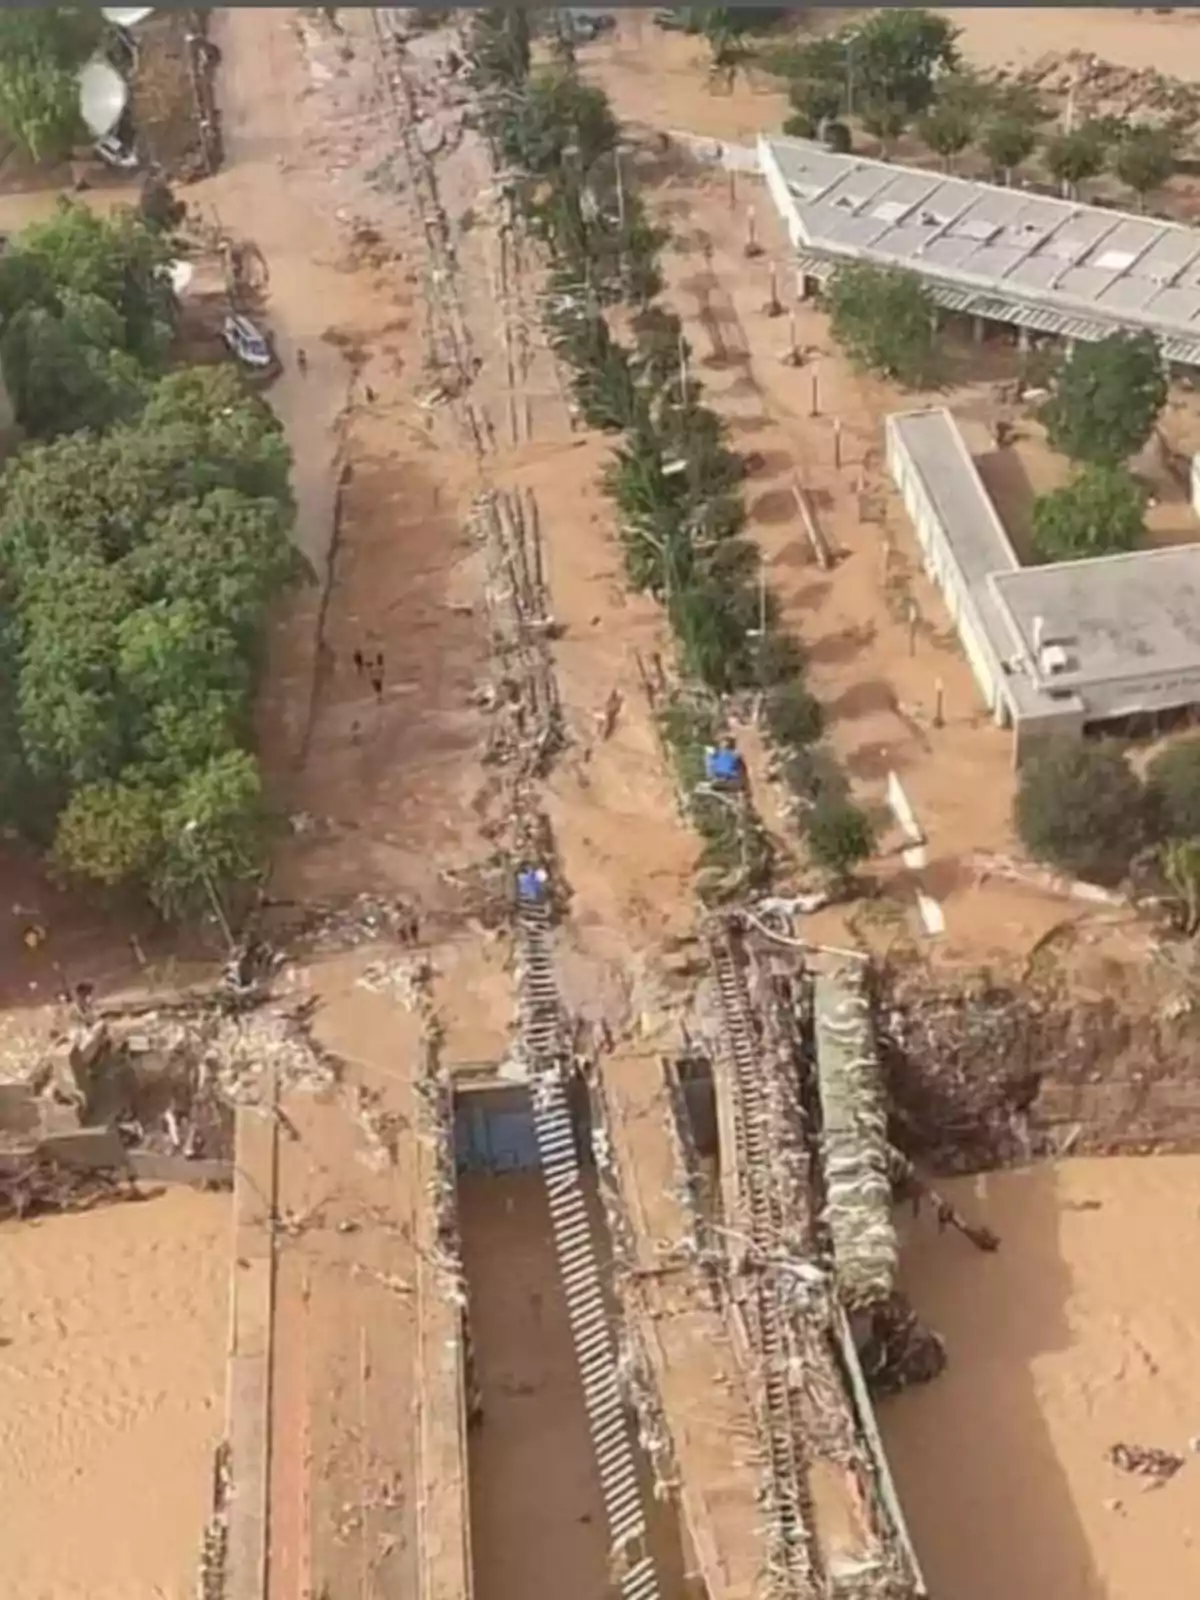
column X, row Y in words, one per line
column 847, row 1523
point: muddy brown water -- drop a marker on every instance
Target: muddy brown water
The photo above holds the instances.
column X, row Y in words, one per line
column 1082, row 1331
column 113, row 1333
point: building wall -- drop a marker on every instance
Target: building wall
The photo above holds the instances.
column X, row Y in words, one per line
column 1108, row 700
column 779, row 192
column 943, row 568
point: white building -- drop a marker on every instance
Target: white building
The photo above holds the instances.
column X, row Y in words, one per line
column 1054, row 649
column 1041, row 265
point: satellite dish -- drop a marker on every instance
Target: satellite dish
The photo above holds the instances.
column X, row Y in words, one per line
column 125, row 16
column 181, row 274
column 103, row 96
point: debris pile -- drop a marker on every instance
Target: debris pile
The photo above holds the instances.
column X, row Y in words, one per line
column 1105, row 89
column 33, row 1185
column 1146, row 1461
column 854, row 1140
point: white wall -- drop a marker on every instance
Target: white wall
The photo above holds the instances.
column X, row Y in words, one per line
column 784, row 203
column 943, row 568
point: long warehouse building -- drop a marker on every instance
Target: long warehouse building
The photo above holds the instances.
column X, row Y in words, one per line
column 1044, row 266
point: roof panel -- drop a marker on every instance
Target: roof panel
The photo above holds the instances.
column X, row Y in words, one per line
column 1091, row 284
column 1083, row 265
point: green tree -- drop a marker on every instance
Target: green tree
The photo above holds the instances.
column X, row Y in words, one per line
column 41, row 51
column 885, row 118
column 840, row 836
column 66, row 370
column 214, row 830
column 1173, row 783
column 1081, row 808
column 713, row 646
column 559, row 119
column 793, row 715
column 1007, row 141
column 947, row 128
column 1108, row 398
column 499, row 45
column 119, row 259
column 1075, row 155
column 884, row 320
column 1099, row 513
column 896, row 56
column 136, row 572
column 110, row 834
column 1144, row 158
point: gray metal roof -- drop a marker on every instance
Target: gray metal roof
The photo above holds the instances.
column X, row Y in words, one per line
column 1042, row 263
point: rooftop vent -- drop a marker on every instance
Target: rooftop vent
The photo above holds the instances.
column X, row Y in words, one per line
column 1053, row 660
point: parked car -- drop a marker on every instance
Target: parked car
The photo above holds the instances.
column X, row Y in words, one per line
column 243, row 340
column 114, row 154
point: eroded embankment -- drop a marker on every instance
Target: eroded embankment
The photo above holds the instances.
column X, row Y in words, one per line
column 995, row 1075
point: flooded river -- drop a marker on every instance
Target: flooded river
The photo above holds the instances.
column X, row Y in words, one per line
column 113, row 1333
column 1081, row 1332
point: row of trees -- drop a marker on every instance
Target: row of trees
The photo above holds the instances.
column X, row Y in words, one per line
column 901, row 69
column 1081, row 807
column 673, row 479
column 143, row 537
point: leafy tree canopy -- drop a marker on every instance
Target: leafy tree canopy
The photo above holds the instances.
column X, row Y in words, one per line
column 41, row 51
column 1007, row 141
column 137, row 567
column 1173, row 782
column 66, row 370
column 948, row 128
column 1144, row 158
column 1080, row 807
column 119, row 259
column 884, row 320
column 1100, row 513
column 1077, row 154
column 1108, row 398
column 840, row 836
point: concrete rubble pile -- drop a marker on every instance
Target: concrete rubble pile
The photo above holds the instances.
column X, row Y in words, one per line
column 146, row 1090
